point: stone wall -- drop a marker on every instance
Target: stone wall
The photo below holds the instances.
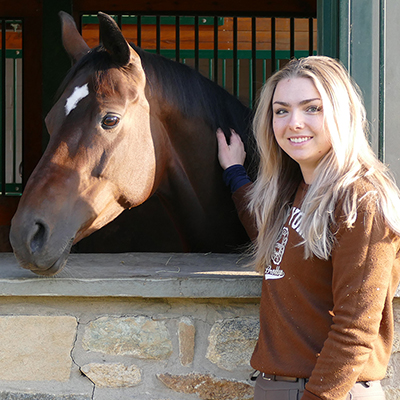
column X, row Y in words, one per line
column 181, row 327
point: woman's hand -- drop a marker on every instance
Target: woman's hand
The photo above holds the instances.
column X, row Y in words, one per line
column 230, row 154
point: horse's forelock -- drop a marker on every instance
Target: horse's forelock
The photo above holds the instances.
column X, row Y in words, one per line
column 97, row 64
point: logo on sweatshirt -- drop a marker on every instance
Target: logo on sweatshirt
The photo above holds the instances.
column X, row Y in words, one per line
column 273, row 270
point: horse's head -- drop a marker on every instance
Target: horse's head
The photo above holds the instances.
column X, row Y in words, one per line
column 101, row 155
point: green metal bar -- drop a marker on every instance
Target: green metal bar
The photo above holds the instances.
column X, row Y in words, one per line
column 273, row 45
column 382, row 81
column 235, row 59
column 158, row 34
column 13, row 189
column 177, row 38
column 251, row 78
column 139, row 31
column 264, row 70
column 3, row 108
column 253, row 74
column 216, row 55
column 238, row 77
column 151, row 20
column 224, row 73
column 15, row 102
column 196, row 43
column 361, row 41
column 13, row 53
column 228, row 54
column 328, row 27
column 344, row 32
column 292, row 32
column 310, row 36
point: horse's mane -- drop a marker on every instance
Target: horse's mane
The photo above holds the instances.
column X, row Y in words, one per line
column 194, row 94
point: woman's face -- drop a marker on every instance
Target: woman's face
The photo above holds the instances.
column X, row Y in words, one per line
column 298, row 123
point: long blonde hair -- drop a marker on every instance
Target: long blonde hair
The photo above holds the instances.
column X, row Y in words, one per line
column 349, row 159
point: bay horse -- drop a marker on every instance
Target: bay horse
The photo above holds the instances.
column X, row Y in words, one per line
column 127, row 125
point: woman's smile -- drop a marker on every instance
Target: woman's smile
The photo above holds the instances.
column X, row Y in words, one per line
column 300, row 139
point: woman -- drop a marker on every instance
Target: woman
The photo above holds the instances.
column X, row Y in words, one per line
column 326, row 213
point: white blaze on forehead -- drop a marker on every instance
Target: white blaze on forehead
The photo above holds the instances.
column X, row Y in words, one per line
column 77, row 95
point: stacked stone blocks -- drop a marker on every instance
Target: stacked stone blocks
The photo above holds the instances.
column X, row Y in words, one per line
column 59, row 343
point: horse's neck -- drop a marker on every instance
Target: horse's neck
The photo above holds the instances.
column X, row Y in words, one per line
column 189, row 177
column 191, row 141
column 193, row 153
column 192, row 188
column 193, row 144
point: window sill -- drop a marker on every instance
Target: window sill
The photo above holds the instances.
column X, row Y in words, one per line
column 150, row 275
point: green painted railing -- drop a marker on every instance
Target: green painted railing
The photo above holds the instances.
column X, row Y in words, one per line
column 152, row 20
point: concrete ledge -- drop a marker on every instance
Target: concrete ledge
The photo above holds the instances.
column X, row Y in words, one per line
column 151, row 275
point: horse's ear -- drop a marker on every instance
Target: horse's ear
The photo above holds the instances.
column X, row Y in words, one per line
column 73, row 42
column 113, row 40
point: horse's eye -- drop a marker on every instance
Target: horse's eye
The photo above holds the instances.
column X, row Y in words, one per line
column 110, row 121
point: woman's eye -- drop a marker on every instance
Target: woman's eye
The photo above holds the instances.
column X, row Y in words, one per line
column 280, row 111
column 110, row 121
column 314, row 109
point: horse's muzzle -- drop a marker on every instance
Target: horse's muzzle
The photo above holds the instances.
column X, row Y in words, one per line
column 35, row 251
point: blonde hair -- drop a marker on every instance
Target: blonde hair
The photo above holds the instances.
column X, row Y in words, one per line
column 349, row 159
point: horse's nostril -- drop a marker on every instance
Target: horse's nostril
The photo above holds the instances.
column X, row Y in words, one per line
column 38, row 238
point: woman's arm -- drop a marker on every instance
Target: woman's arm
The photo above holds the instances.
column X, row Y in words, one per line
column 231, row 158
column 365, row 276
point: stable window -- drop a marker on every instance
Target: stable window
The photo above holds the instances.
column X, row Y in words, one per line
column 239, row 53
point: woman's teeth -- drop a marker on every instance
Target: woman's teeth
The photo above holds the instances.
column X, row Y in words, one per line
column 299, row 140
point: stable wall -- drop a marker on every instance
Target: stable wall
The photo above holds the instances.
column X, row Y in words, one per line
column 135, row 326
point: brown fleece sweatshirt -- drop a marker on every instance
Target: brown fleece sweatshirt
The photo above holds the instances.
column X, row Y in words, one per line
column 328, row 320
